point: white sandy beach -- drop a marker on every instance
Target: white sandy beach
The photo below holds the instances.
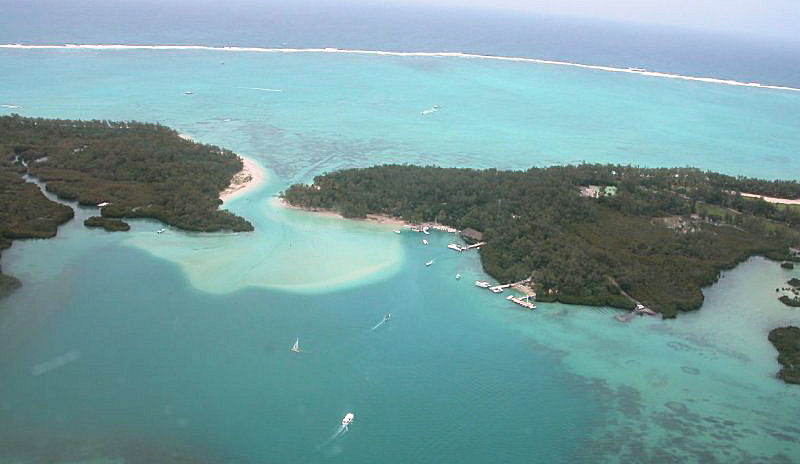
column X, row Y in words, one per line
column 376, row 218
column 250, row 177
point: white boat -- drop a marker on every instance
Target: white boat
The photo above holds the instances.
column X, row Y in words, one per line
column 396, row 231
column 482, row 284
column 386, row 318
column 456, row 247
column 429, row 263
column 188, row 92
column 161, row 231
column 424, row 242
column 425, row 230
column 348, row 418
column 458, row 276
column 105, row 203
column 296, row 346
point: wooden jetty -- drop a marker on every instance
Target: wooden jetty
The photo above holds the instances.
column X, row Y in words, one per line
column 524, row 302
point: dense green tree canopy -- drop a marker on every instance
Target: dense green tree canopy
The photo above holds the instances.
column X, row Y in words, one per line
column 661, row 234
column 141, row 170
column 787, row 341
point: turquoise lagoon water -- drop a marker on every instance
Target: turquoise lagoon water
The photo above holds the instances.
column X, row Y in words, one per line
column 130, row 346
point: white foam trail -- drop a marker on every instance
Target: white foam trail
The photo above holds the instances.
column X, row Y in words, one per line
column 13, row 107
column 55, row 363
column 338, row 433
column 709, row 80
column 261, row 88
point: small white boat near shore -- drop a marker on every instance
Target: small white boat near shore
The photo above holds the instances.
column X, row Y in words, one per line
column 161, row 231
column 348, row 419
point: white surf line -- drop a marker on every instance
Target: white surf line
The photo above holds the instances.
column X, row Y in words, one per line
column 261, row 88
column 708, row 80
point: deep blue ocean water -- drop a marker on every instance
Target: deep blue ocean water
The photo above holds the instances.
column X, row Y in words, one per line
column 137, row 347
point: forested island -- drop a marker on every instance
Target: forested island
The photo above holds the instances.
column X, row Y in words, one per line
column 584, row 232
column 111, row 225
column 787, row 341
column 135, row 170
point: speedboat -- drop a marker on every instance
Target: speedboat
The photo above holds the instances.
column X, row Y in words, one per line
column 458, row 276
column 161, row 231
column 429, row 263
column 424, row 242
column 348, row 418
column 482, row 284
column 188, row 92
column 397, row 231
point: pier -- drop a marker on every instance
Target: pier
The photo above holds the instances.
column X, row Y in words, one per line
column 457, row 247
column 638, row 310
column 524, row 302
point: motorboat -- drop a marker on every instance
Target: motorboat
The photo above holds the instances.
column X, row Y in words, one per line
column 429, row 263
column 161, row 231
column 458, row 276
column 348, row 418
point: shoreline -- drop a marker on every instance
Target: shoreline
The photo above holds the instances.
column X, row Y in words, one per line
column 250, row 177
column 373, row 218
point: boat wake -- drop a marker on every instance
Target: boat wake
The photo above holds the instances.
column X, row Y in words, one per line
column 263, row 89
column 640, row 71
column 12, row 107
column 337, row 434
column 385, row 319
column 430, row 110
column 55, row 363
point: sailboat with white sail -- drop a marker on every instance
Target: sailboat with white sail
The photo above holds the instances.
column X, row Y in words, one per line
column 296, row 346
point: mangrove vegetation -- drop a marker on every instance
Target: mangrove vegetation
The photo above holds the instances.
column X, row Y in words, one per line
column 661, row 234
column 787, row 341
column 132, row 169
